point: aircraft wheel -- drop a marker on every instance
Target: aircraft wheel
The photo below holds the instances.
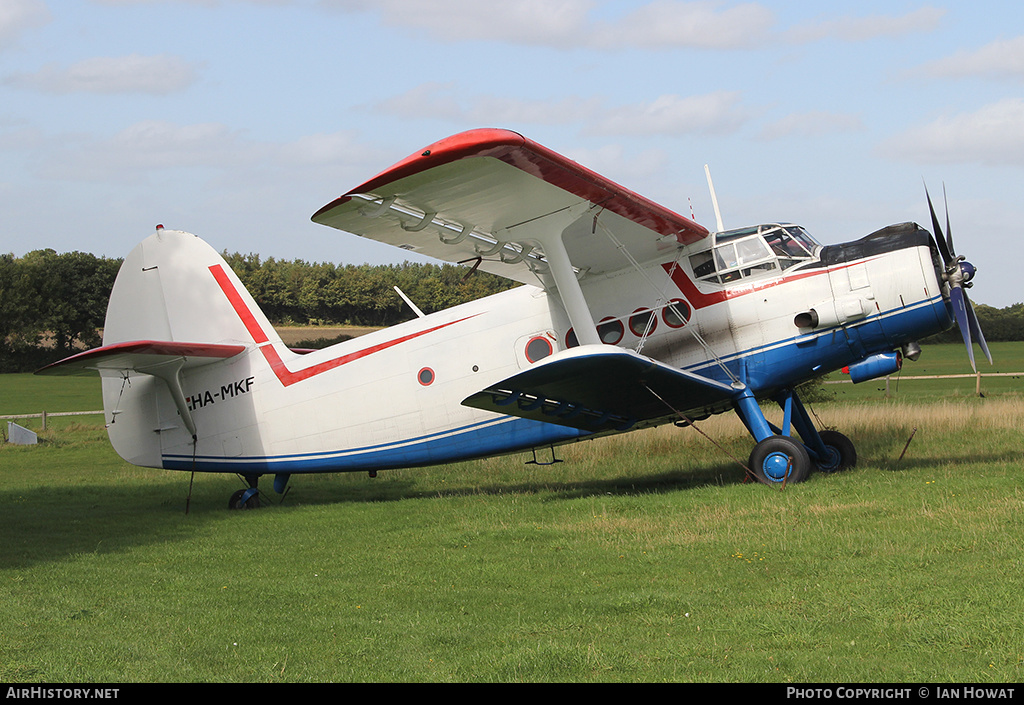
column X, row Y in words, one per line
column 239, row 501
column 780, row 458
column 842, row 453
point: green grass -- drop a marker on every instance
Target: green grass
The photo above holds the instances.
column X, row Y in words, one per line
column 946, row 359
column 32, row 394
column 640, row 558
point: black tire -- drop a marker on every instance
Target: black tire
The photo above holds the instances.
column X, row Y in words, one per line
column 843, row 454
column 779, row 459
column 236, row 501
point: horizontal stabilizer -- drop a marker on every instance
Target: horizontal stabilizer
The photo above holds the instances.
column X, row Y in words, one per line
column 141, row 356
column 599, row 388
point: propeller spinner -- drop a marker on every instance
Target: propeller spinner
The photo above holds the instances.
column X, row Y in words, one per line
column 959, row 274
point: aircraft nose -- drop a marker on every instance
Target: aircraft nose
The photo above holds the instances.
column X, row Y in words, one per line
column 967, row 270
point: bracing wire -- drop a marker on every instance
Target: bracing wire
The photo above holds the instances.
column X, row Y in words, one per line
column 662, row 297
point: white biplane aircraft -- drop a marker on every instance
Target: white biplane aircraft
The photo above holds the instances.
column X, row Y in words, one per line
column 631, row 316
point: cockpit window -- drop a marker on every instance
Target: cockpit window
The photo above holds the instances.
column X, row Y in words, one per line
column 750, row 252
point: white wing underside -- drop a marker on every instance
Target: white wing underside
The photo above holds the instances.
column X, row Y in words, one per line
column 490, row 198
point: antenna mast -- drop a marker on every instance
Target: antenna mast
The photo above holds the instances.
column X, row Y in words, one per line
column 714, row 199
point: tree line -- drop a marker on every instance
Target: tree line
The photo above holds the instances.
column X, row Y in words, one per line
column 322, row 293
column 52, row 305
column 997, row 324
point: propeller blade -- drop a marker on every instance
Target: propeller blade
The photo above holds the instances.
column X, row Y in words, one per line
column 958, row 299
column 976, row 333
column 949, row 231
column 959, row 273
column 944, row 250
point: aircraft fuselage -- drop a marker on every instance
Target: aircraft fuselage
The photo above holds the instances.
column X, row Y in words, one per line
column 392, row 398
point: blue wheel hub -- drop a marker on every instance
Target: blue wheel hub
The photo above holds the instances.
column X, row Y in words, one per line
column 775, row 466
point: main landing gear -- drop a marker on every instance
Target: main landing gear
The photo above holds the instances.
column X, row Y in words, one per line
column 778, row 457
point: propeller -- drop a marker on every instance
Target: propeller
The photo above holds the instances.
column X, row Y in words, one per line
column 959, row 274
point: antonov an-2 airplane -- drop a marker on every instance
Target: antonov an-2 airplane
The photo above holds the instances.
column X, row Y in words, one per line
column 631, row 316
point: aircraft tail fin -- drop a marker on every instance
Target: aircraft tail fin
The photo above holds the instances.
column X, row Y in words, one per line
column 176, row 307
column 174, row 287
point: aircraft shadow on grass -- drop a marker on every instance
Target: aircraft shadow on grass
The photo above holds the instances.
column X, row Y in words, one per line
column 51, row 524
column 47, row 524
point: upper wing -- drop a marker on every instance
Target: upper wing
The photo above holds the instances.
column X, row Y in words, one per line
column 461, row 199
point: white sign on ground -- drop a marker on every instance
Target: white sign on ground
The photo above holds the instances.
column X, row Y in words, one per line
column 20, row 435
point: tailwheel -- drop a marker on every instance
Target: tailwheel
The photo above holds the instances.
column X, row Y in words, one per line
column 779, row 459
column 245, row 499
column 842, row 455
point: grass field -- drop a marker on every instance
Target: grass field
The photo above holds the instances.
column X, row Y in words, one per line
column 640, row 558
column 941, row 360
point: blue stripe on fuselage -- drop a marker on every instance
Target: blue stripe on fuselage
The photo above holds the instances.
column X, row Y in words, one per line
column 492, row 437
column 802, row 357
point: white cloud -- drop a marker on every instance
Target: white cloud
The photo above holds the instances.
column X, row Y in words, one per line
column 159, row 75
column 160, row 143
column 144, row 148
column 16, row 16
column 626, row 167
column 432, row 100
column 991, row 135
column 669, row 23
column 658, row 24
column 858, row 29
column 811, row 124
column 200, row 152
column 1002, row 58
column 571, row 23
column 519, row 21
column 441, row 101
column 714, row 113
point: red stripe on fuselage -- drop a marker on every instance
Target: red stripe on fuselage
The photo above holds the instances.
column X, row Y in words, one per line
column 699, row 299
column 259, row 336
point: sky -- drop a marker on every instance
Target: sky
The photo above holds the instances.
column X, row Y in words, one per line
column 237, row 119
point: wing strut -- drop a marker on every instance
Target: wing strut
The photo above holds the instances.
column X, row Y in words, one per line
column 548, row 230
column 171, row 375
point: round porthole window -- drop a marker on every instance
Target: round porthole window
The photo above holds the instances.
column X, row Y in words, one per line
column 610, row 331
column 642, row 321
column 676, row 314
column 538, row 348
column 426, row 376
column 570, row 339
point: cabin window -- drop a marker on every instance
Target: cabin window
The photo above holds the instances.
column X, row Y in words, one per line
column 610, row 331
column 792, row 245
column 676, row 313
column 703, row 264
column 538, row 348
column 753, row 252
column 643, row 322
